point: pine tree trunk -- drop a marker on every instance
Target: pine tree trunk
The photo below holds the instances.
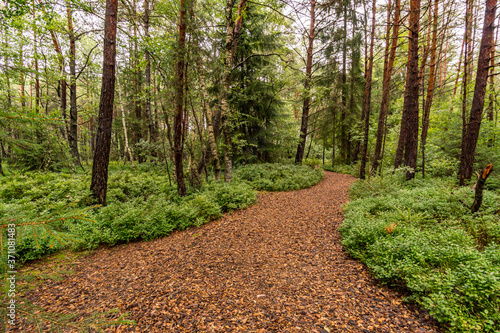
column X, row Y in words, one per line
column 492, row 80
column 390, row 56
column 307, row 88
column 410, row 105
column 148, row 88
column 431, row 84
column 99, row 182
column 334, row 116
column 476, row 112
column 179, row 103
column 344, row 153
column 137, row 125
column 21, row 76
column 37, row 78
column 367, row 97
column 73, row 111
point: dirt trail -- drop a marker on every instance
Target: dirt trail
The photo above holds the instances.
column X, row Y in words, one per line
column 277, row 266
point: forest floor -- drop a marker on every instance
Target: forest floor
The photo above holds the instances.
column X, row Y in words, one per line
column 277, row 266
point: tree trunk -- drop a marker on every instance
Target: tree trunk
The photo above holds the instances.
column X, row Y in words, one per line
column 467, row 76
column 137, row 124
column 37, row 78
column 344, row 153
column 367, row 97
column 307, row 87
column 211, row 142
column 147, row 58
column 410, row 106
column 233, row 30
column 476, row 112
column 99, row 183
column 126, row 148
column 390, row 56
column 179, row 103
column 479, row 187
column 73, row 111
column 431, row 84
column 62, row 82
column 334, row 116
column 492, row 80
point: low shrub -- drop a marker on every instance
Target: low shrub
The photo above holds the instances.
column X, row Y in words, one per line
column 279, row 177
column 141, row 204
column 420, row 235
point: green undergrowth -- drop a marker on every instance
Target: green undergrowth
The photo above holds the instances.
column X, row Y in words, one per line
column 420, row 235
column 54, row 211
column 279, row 177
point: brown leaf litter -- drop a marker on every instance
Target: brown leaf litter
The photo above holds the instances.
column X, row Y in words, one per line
column 277, row 266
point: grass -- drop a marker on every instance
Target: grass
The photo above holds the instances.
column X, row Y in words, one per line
column 419, row 235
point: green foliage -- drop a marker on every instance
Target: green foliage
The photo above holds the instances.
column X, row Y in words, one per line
column 312, row 162
column 418, row 234
column 160, row 214
column 141, row 204
column 279, row 177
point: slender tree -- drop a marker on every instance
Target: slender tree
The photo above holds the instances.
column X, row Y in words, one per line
column 99, row 182
column 390, row 56
column 408, row 137
column 179, row 102
column 147, row 74
column 431, row 84
column 368, row 96
column 307, row 87
column 73, row 110
column 233, row 30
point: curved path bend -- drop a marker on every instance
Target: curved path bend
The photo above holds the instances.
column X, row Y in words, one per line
column 277, row 266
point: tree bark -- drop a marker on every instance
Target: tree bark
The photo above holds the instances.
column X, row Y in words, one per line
column 126, row 148
column 147, row 58
column 344, row 153
column 233, row 30
column 307, row 87
column 73, row 110
column 390, row 57
column 179, row 103
column 409, row 129
column 476, row 112
column 211, row 142
column 431, row 84
column 334, row 116
column 492, row 80
column 99, row 182
column 479, row 187
column 367, row 97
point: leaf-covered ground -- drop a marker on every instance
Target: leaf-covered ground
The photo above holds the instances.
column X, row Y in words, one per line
column 277, row 266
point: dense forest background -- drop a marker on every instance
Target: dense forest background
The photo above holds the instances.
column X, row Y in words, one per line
column 203, row 85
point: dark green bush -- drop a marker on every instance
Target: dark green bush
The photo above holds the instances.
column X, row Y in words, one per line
column 279, row 177
column 418, row 234
column 141, row 205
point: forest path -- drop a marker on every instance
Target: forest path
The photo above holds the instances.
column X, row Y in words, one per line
column 277, row 266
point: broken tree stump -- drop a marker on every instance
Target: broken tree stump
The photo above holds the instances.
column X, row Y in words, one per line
column 481, row 180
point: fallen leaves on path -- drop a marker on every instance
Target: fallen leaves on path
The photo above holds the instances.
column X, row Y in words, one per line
column 277, row 266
